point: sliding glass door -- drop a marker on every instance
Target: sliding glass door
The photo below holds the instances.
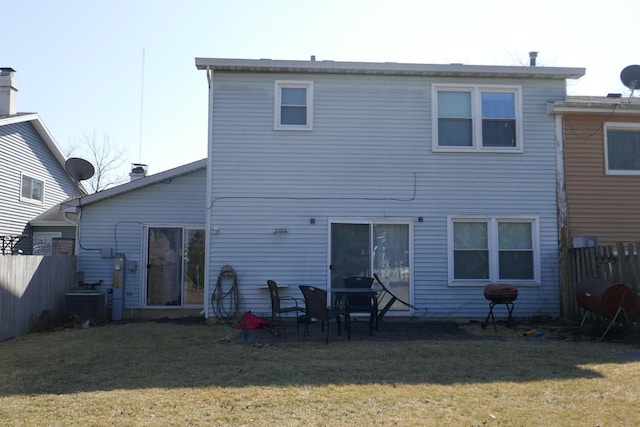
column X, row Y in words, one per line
column 361, row 248
column 175, row 267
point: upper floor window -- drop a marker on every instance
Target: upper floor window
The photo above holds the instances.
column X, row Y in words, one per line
column 470, row 118
column 32, row 190
column 293, row 105
column 622, row 148
column 483, row 250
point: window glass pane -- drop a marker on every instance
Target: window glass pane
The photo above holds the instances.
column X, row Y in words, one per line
column 193, row 268
column 471, row 264
column 391, row 261
column 498, row 105
column 293, row 116
column 516, row 265
column 454, row 132
column 454, row 104
column 514, row 235
column 623, row 149
column 470, row 235
column 471, row 254
column 294, row 96
column 36, row 190
column 164, row 284
column 26, row 187
column 498, row 133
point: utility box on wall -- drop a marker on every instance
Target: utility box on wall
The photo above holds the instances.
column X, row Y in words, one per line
column 117, row 301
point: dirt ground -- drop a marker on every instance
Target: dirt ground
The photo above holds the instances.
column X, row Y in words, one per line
column 412, row 328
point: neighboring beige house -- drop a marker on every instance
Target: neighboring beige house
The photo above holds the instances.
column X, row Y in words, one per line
column 599, row 179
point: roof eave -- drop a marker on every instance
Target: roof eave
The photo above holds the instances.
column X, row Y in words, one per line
column 140, row 183
column 620, row 107
column 46, row 136
column 386, row 68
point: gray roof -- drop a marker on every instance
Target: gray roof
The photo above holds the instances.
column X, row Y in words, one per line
column 139, row 183
column 55, row 216
column 387, row 68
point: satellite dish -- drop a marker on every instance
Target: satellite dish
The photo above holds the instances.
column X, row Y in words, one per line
column 630, row 77
column 79, row 169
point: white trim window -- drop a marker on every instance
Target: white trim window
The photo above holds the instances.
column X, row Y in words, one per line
column 477, row 118
column 484, row 250
column 622, row 148
column 293, row 105
column 31, row 189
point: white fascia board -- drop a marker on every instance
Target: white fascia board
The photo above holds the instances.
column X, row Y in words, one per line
column 621, row 108
column 388, row 68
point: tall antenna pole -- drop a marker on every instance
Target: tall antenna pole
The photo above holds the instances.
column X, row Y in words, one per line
column 141, row 109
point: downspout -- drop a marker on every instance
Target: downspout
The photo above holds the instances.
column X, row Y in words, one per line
column 209, row 189
column 560, row 178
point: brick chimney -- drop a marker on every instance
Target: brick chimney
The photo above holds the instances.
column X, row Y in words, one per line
column 8, row 92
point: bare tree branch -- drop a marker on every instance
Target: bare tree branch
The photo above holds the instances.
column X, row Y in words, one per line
column 106, row 157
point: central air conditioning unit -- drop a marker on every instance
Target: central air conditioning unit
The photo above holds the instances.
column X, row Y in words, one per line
column 585, row 242
column 89, row 306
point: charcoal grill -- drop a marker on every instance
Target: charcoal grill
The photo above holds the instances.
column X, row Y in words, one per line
column 500, row 294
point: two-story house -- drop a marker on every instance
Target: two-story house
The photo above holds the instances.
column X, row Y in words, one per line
column 600, row 195
column 32, row 174
column 440, row 179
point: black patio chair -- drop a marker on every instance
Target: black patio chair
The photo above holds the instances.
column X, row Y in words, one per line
column 362, row 303
column 280, row 305
column 315, row 300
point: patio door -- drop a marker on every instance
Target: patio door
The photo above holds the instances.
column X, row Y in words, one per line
column 363, row 248
column 175, row 267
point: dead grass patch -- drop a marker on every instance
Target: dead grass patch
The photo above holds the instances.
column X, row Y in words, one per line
column 152, row 373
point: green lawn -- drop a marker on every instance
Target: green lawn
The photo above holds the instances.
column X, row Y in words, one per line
column 151, row 373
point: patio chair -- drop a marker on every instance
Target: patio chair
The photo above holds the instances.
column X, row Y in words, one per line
column 315, row 300
column 280, row 305
column 362, row 303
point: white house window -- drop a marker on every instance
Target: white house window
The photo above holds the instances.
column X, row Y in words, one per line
column 293, row 105
column 470, row 118
column 622, row 148
column 32, row 190
column 483, row 250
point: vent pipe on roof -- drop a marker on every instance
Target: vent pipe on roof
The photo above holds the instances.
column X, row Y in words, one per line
column 532, row 58
column 138, row 170
column 8, row 92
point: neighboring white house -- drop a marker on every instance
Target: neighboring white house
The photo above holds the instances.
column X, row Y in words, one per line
column 146, row 238
column 441, row 179
column 33, row 179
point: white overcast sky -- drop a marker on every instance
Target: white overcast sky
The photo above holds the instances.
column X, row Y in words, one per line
column 79, row 63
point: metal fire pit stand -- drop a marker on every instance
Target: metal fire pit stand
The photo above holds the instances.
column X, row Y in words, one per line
column 611, row 323
column 509, row 305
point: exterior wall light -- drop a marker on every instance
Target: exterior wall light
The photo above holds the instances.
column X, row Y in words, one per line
column 280, row 230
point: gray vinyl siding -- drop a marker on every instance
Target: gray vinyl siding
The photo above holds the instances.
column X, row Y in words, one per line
column 23, row 151
column 118, row 222
column 369, row 156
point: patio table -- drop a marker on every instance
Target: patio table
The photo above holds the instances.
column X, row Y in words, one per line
column 339, row 292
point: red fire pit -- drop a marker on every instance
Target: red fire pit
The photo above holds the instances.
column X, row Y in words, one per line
column 500, row 294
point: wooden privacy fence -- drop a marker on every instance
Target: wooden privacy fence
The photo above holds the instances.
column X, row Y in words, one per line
column 29, row 285
column 617, row 264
